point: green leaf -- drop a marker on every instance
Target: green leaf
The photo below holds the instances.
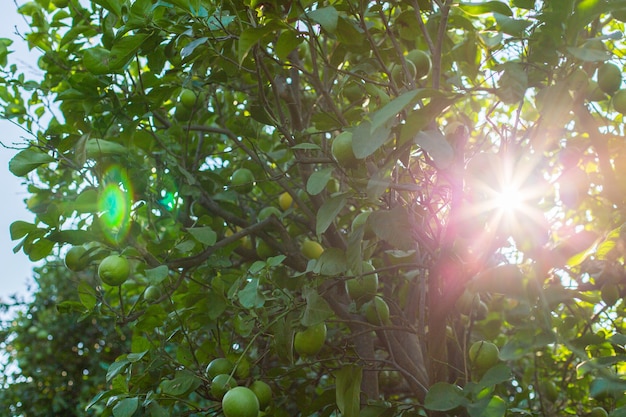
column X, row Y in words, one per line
column 126, row 407
column 326, row 17
column 117, row 367
column 204, row 235
column 392, row 226
column 216, row 305
column 588, row 54
column 443, row 397
column 27, row 160
column 317, row 309
column 247, row 40
column 331, row 263
column 250, row 297
column 307, row 146
column 318, row 180
column 114, row 6
column 191, row 46
column 510, row 26
column 157, row 275
column 19, row 229
column 86, row 202
column 39, row 249
column 524, row 344
column 391, row 109
column 348, row 390
column 124, row 50
column 287, row 42
column 183, row 383
column 136, row 357
column 96, row 148
column 87, row 295
column 492, row 407
column 328, row 212
column 494, row 376
column 513, row 83
column 438, row 148
column 97, row 60
column 476, row 9
column 365, row 141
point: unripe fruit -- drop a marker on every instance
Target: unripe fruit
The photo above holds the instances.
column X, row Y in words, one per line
column 610, row 294
column 219, row 366
column 75, row 259
column 389, row 379
column 341, row 149
column 483, row 355
column 285, row 200
column 598, row 412
column 312, row 249
column 221, row 384
column 310, row 341
column 188, row 98
column 364, row 287
column 421, row 61
column 266, row 212
column 376, row 311
column 263, row 393
column 242, row 180
column 114, row 270
column 240, row 402
column 152, row 293
column 548, row 390
column 609, row 77
column 619, row 101
column 264, row 250
column 594, row 92
column 578, row 80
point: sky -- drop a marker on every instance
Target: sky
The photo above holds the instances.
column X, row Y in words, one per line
column 16, row 267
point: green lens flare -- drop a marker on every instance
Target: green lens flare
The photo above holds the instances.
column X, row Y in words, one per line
column 114, row 204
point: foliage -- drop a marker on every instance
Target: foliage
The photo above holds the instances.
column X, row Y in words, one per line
column 54, row 360
column 492, row 187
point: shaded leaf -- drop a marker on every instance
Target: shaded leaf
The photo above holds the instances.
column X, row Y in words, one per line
column 204, row 235
column 157, row 275
column 317, row 309
column 513, row 83
column 348, row 390
column 126, row 407
column 486, row 7
column 391, row 109
column 250, row 296
column 443, row 397
column 438, row 148
column 365, row 141
column 393, row 226
column 326, row 17
column 328, row 212
column 489, row 407
column 318, row 180
column 87, row 295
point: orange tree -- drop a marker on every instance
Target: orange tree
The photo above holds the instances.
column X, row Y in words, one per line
column 384, row 183
column 53, row 357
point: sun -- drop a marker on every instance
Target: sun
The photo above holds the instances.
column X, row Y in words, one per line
column 509, row 199
column 504, row 194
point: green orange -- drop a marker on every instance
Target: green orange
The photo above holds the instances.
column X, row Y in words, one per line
column 114, row 270
column 240, row 402
column 309, row 342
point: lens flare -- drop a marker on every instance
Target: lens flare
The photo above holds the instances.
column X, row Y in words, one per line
column 114, row 204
